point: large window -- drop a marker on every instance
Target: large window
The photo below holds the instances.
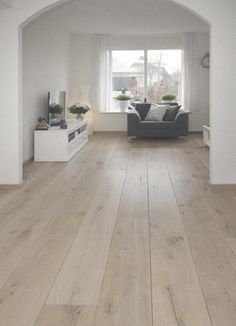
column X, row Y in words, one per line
column 146, row 74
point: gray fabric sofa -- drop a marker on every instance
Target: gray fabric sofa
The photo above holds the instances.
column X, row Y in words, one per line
column 138, row 127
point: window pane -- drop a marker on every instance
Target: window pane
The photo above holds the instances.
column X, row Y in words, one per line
column 163, row 74
column 127, row 75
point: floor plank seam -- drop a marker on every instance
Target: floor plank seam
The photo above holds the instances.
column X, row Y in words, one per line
column 46, row 297
column 150, row 249
column 190, row 249
column 112, row 237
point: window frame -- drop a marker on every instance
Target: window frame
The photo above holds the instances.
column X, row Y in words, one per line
column 145, row 92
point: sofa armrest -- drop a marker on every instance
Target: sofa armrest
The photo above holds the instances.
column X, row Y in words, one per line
column 182, row 121
column 133, row 115
column 133, row 122
column 182, row 118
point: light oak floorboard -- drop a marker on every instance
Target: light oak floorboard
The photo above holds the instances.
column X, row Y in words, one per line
column 66, row 315
column 176, row 291
column 219, row 198
column 214, row 260
column 161, row 252
column 79, row 281
column 126, row 292
column 33, row 277
column 25, row 226
column 24, row 293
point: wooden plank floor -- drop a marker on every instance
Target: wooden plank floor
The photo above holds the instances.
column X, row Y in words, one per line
column 128, row 233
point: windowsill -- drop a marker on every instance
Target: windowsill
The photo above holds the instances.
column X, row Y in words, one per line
column 114, row 112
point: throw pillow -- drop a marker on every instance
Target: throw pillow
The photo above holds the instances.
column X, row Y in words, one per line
column 143, row 109
column 156, row 112
column 171, row 113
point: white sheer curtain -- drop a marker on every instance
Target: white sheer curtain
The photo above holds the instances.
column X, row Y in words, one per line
column 190, row 72
column 101, row 73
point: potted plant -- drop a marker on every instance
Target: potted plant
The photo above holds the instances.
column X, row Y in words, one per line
column 168, row 98
column 79, row 109
column 123, row 100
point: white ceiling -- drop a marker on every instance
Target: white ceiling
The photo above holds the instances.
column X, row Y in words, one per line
column 5, row 4
column 125, row 16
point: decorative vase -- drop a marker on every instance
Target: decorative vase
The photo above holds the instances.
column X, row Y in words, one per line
column 123, row 105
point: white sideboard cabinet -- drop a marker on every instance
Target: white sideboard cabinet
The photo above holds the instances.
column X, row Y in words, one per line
column 206, row 135
column 60, row 145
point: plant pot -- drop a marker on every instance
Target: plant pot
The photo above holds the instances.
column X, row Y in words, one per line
column 123, row 105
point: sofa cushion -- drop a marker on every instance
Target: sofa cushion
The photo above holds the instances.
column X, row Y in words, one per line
column 171, row 113
column 142, row 109
column 158, row 125
column 156, row 112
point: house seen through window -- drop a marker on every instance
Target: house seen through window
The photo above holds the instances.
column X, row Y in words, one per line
column 146, row 74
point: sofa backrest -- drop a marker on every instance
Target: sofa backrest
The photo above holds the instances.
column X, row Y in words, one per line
column 168, row 103
column 143, row 108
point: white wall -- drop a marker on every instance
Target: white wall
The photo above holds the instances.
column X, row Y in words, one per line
column 201, row 114
column 80, row 77
column 46, row 63
column 82, row 74
column 109, row 122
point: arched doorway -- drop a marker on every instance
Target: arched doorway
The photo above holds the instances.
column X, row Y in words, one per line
column 74, row 11
column 223, row 157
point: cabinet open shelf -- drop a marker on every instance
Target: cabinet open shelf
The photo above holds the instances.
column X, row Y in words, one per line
column 56, row 144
